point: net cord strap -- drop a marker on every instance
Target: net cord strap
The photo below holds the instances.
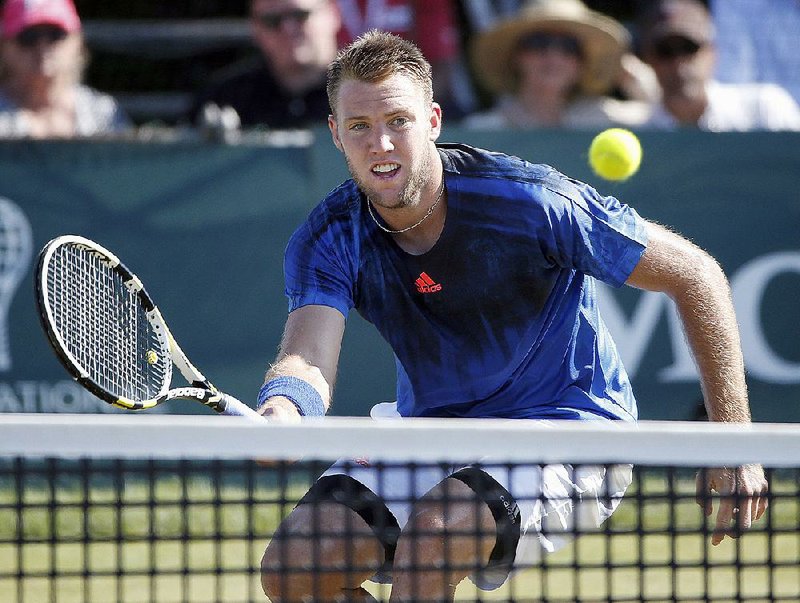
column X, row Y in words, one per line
column 198, row 436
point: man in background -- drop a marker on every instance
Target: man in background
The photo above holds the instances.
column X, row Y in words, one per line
column 283, row 87
column 678, row 41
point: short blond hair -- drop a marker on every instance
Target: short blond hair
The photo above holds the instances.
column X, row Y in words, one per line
column 375, row 56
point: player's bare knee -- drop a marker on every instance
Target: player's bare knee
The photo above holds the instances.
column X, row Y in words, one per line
column 287, row 554
column 319, row 549
column 450, row 517
column 456, row 506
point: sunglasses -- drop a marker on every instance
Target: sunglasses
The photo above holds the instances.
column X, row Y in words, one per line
column 274, row 21
column 675, row 47
column 33, row 36
column 541, row 41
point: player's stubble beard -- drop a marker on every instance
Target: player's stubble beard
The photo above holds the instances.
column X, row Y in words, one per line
column 409, row 196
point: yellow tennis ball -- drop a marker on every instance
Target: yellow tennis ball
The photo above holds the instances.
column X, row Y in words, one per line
column 615, row 154
column 151, row 357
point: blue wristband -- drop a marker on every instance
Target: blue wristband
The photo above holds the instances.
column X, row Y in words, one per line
column 302, row 394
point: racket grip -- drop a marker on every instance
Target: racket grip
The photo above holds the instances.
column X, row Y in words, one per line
column 233, row 407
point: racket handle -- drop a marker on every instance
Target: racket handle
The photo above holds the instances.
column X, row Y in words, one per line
column 233, row 407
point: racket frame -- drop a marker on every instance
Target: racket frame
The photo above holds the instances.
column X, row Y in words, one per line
column 200, row 389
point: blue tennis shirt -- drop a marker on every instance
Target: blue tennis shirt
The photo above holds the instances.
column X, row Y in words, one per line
column 500, row 317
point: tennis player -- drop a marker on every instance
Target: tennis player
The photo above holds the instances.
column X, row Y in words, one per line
column 480, row 271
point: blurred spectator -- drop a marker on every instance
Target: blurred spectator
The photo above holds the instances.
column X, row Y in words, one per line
column 553, row 65
column 283, row 87
column 678, row 41
column 759, row 41
column 431, row 25
column 42, row 59
column 481, row 15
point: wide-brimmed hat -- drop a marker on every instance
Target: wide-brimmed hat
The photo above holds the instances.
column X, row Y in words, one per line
column 603, row 41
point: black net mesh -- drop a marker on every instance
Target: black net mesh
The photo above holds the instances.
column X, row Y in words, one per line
column 195, row 530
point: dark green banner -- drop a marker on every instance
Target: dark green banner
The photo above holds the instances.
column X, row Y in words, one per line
column 205, row 226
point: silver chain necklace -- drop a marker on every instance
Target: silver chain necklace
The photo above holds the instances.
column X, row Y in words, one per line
column 407, row 228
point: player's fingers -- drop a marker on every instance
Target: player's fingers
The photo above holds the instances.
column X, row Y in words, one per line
column 280, row 411
column 758, row 504
column 763, row 500
column 703, row 493
column 754, row 496
column 723, row 523
column 761, row 505
column 745, row 514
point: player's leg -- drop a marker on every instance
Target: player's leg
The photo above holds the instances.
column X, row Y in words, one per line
column 325, row 549
column 377, row 494
column 554, row 503
column 451, row 532
column 514, row 516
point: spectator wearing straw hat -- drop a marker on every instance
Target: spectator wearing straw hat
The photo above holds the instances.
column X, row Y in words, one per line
column 554, row 65
column 42, row 59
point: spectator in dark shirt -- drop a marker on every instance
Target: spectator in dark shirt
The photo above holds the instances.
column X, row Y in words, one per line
column 284, row 87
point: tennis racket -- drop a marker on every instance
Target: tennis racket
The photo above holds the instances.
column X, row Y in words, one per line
column 110, row 336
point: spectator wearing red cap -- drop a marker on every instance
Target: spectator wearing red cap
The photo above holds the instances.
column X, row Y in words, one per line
column 678, row 40
column 42, row 59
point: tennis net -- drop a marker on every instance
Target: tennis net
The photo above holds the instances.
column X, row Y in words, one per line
column 141, row 508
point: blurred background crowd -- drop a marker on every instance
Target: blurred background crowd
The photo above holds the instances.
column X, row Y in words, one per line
column 219, row 67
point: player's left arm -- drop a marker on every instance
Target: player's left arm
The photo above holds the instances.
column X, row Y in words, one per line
column 308, row 356
column 699, row 288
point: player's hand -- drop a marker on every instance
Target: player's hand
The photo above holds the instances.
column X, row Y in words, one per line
column 743, row 498
column 279, row 410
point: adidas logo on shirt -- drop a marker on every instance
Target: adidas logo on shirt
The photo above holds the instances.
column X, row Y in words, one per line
column 425, row 284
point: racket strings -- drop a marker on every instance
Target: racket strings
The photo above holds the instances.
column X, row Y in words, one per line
column 104, row 326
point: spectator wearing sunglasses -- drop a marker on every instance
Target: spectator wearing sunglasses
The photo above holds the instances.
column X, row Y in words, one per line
column 42, row 59
column 677, row 39
column 554, row 64
column 284, row 86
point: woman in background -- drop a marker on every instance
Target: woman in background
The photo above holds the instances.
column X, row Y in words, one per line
column 555, row 64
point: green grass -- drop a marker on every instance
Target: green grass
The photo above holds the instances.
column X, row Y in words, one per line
column 107, row 546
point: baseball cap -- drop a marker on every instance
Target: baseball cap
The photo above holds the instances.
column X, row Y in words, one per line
column 688, row 19
column 20, row 14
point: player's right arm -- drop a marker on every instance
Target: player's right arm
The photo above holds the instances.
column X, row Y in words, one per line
column 309, row 351
column 701, row 293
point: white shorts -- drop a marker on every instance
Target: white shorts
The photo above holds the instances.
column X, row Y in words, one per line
column 554, row 502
